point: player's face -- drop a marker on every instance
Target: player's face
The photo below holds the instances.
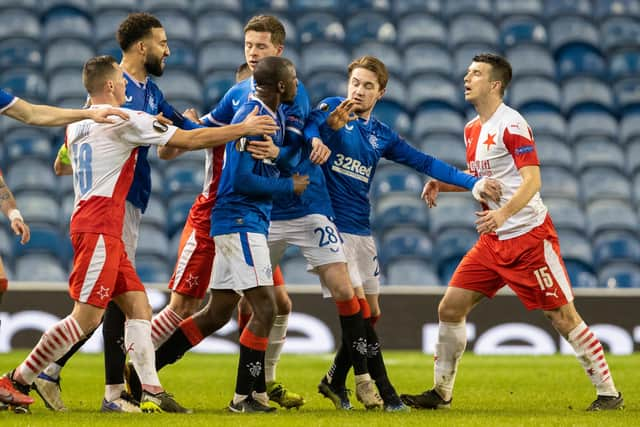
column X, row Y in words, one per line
column 364, row 89
column 291, row 86
column 258, row 45
column 119, row 86
column 156, row 51
column 477, row 81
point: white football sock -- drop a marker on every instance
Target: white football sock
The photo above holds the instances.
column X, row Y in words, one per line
column 163, row 326
column 137, row 341
column 277, row 338
column 452, row 340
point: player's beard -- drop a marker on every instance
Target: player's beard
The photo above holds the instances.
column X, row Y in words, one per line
column 154, row 66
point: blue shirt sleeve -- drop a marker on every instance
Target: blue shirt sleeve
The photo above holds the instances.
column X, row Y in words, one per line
column 5, row 99
column 400, row 151
column 246, row 182
column 176, row 117
column 318, row 117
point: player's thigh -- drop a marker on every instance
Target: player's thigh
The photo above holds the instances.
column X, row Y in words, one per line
column 193, row 269
column 242, row 262
column 129, row 293
column 456, row 304
column 131, row 230
column 362, row 262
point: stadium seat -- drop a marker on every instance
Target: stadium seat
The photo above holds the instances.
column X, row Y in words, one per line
column 522, row 31
column 430, row 121
column 627, row 93
column 398, row 211
column 422, row 58
column 567, row 214
column 606, row 8
column 215, row 86
column 569, row 29
column 71, row 53
column 604, row 183
column 446, row 147
column 182, row 85
column 31, row 174
column 200, row 7
column 84, row 6
column 429, row 90
column 592, row 124
column 109, row 47
column 575, row 247
column 295, row 272
column 580, row 276
column 624, row 63
column 620, row 32
column 177, row 213
column 39, row 207
column 558, row 182
column 421, row 28
column 554, row 8
column 183, row 56
column 218, row 26
column 25, row 83
column 107, row 6
column 452, row 244
column 184, row 178
column 393, row 115
column 405, row 243
column 369, row 26
column 318, row 26
column 19, row 23
column 387, row 53
column 411, row 272
column 524, row 7
column 26, row 142
column 545, row 122
column 595, row 151
column 153, row 241
column 464, row 54
column 325, row 84
column 620, row 275
column 400, row 8
column 20, row 52
column 552, row 151
column 451, row 9
column 396, row 180
column 153, row 269
column 156, row 214
column 540, row 92
column 396, row 91
column 636, row 189
column 157, row 5
column 39, row 268
column 607, row 214
column 45, row 239
column 529, row 60
column 219, row 56
column 353, row 7
column 453, row 210
column 302, row 6
column 472, row 29
column 580, row 60
column 586, row 93
column 633, row 158
column 63, row 21
column 178, row 25
column 66, row 83
column 616, row 246
column 324, row 56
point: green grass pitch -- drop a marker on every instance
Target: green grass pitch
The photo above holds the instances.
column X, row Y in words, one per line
column 500, row 391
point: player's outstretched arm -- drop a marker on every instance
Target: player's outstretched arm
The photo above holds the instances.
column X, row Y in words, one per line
column 10, row 210
column 62, row 163
column 45, row 115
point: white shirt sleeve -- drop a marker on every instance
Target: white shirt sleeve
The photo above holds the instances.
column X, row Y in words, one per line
column 145, row 129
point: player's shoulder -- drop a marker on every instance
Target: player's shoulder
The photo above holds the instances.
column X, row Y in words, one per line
column 512, row 121
column 475, row 121
column 330, row 103
column 383, row 129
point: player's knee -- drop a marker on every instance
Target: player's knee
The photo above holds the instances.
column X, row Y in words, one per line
column 267, row 313
column 184, row 306
column 448, row 312
column 283, row 304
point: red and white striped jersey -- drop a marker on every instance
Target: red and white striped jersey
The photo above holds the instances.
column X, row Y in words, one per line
column 498, row 149
column 103, row 158
column 200, row 213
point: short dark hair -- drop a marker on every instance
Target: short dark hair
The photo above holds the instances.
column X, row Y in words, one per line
column 96, row 72
column 500, row 68
column 271, row 70
column 135, row 27
column 374, row 65
column 242, row 72
column 267, row 24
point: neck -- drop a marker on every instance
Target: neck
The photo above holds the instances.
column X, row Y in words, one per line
column 134, row 67
column 486, row 107
column 104, row 99
column 270, row 99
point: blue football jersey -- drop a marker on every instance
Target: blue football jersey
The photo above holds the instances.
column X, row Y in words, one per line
column 315, row 199
column 6, row 100
column 356, row 150
column 247, row 186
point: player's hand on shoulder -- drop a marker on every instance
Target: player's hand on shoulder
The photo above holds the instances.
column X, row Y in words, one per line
column 263, row 149
column 430, row 192
column 192, row 114
column 102, row 115
column 162, row 119
column 259, row 125
column 342, row 115
column 487, row 190
column 319, row 152
column 300, row 183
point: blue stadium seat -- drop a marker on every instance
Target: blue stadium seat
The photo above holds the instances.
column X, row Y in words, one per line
column 177, row 213
column 353, row 7
column 156, row 214
column 153, row 241
column 586, row 93
column 183, row 177
column 411, row 272
column 39, row 268
column 446, row 147
column 558, row 182
column 604, row 183
column 401, row 8
column 620, row 275
column 624, row 63
column 325, row 84
column 25, row 83
column 472, row 29
column 369, row 26
column 453, row 211
column 19, row 23
column 522, row 30
column 546, row 122
column 567, row 7
column 183, row 56
column 401, row 243
column 62, row 21
column 608, row 214
column 421, row 28
column 636, row 189
column 540, row 92
column 181, row 85
column 396, row 91
column 45, row 239
column 156, row 5
column 324, row 56
column 20, row 52
column 84, row 6
column 595, row 151
column 627, row 93
column 620, row 32
column 201, row 7
column 437, row 120
column 28, row 142
column 29, row 5
column 398, row 211
column 552, row 151
column 633, row 158
column 152, row 269
column 580, row 60
column 588, row 124
column 567, row 214
column 106, row 6
column 318, row 26
column 464, row 54
column 63, row 53
column 570, row 29
column 616, row 246
column 430, row 90
column 422, row 58
column 580, row 276
column 396, row 180
column 394, row 115
column 575, row 247
column 66, row 83
column 531, row 60
column 606, row 8
column 31, row 174
column 452, row 244
column 39, row 207
column 451, row 9
column 523, row 7
column 387, row 53
column 295, row 272
column 217, row 26
column 219, row 56
column 314, row 5
column 66, row 205
column 106, row 23
column 215, row 86
column 109, row 47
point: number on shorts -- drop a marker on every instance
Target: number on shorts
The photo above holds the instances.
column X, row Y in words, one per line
column 328, row 236
column 83, row 168
column 544, row 278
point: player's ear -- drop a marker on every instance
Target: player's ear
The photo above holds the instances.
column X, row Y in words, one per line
column 382, row 92
column 282, row 87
